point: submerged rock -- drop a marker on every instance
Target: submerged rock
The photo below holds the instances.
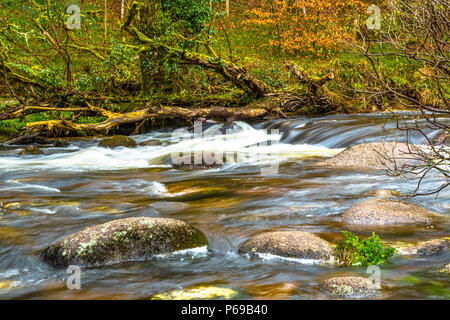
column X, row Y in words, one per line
column 377, row 155
column 5, row 285
column 444, row 269
column 197, row 293
column 383, row 194
column 123, row 240
column 349, row 287
column 152, row 143
column 118, row 141
column 31, row 150
column 387, row 212
column 272, row 291
column 11, row 236
column 290, row 244
column 424, row 248
column 59, row 143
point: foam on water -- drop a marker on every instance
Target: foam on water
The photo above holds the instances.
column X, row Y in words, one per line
column 193, row 252
column 25, row 187
column 245, row 144
column 200, row 251
column 268, row 256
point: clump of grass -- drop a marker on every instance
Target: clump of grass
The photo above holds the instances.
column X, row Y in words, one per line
column 354, row 251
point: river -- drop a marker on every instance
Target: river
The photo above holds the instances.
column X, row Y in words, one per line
column 81, row 185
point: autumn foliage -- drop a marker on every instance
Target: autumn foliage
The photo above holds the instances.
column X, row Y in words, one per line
column 306, row 26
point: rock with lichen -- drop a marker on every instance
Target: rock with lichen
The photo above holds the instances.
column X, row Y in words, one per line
column 290, row 244
column 387, row 212
column 377, row 155
column 118, row 141
column 350, row 288
column 123, row 240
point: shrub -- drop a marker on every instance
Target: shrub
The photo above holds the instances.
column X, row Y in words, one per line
column 352, row 250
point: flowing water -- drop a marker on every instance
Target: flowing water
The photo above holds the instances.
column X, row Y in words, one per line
column 68, row 189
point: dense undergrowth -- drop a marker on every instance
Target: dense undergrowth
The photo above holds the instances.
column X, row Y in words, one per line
column 71, row 66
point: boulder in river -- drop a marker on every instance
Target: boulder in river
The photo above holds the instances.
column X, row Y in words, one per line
column 289, row 244
column 349, row 287
column 123, row 240
column 152, row 143
column 118, row 141
column 424, row 248
column 377, row 155
column 387, row 212
column 31, row 150
column 59, row 143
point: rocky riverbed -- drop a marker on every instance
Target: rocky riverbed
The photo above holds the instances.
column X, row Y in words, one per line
column 262, row 224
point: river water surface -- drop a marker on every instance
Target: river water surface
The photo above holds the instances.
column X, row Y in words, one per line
column 68, row 189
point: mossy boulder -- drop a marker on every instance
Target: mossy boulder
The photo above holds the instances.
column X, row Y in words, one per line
column 123, row 240
column 290, row 244
column 387, row 212
column 31, row 150
column 377, row 155
column 118, row 141
column 349, row 287
column 382, row 194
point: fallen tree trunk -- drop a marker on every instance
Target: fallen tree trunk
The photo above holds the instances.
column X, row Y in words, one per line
column 116, row 119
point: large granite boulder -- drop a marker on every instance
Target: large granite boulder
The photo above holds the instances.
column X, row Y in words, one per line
column 387, row 212
column 377, row 155
column 349, row 287
column 290, row 244
column 123, row 240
